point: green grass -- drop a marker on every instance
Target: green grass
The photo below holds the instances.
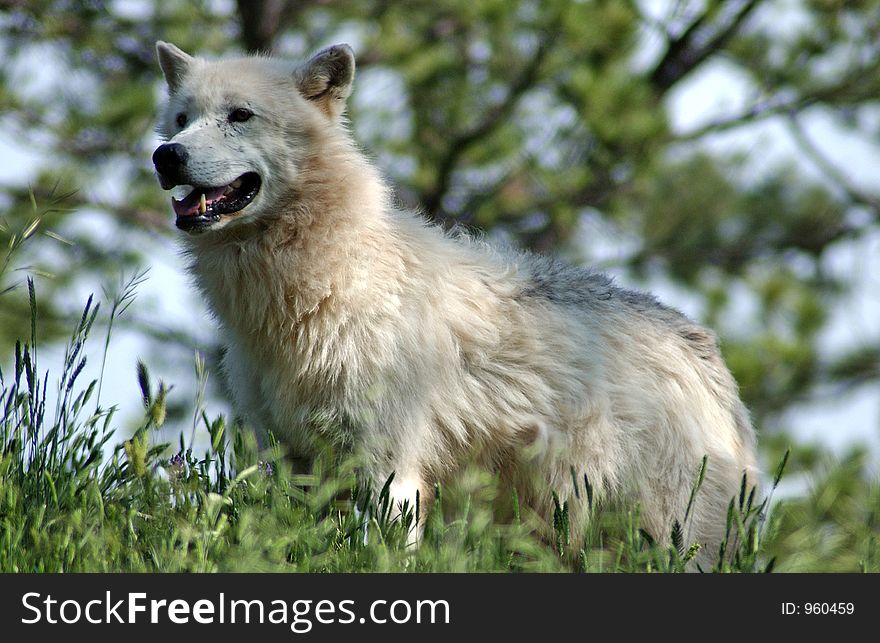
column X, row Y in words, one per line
column 74, row 497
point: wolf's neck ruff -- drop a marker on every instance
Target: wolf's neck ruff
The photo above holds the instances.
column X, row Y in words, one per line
column 322, row 241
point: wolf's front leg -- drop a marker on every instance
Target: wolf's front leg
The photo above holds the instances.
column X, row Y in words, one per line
column 402, row 448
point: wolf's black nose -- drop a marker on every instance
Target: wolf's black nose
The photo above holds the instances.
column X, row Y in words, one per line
column 169, row 157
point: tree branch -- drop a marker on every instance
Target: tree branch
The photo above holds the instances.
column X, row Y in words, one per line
column 686, row 53
column 818, row 158
column 774, row 106
column 758, row 111
column 490, row 121
column 263, row 20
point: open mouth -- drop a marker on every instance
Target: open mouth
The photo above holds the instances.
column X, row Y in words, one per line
column 204, row 206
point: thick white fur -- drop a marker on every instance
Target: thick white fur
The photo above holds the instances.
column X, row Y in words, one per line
column 352, row 322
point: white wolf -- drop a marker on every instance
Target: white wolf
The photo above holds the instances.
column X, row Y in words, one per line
column 349, row 321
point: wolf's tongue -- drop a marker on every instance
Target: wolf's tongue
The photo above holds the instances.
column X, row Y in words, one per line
column 189, row 205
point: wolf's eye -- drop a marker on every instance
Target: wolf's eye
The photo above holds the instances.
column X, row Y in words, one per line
column 240, row 115
column 181, row 120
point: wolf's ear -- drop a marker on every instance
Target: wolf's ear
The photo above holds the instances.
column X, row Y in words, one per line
column 174, row 63
column 326, row 78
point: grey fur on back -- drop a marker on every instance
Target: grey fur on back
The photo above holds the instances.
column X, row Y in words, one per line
column 563, row 284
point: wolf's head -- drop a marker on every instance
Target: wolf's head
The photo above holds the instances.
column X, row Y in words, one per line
column 237, row 132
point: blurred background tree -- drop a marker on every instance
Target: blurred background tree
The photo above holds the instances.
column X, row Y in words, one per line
column 545, row 123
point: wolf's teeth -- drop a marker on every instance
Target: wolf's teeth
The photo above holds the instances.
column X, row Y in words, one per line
column 235, row 184
column 203, row 204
